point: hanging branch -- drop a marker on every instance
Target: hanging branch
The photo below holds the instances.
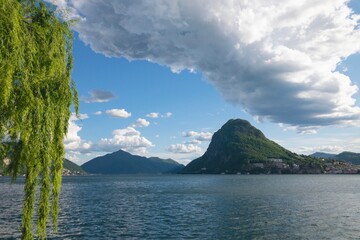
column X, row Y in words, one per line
column 36, row 93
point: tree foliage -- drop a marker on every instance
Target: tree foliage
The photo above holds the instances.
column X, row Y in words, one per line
column 36, row 93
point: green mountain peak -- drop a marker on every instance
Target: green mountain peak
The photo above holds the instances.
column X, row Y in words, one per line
column 235, row 147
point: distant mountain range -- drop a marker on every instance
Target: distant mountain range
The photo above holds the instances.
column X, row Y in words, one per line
column 122, row 162
column 236, row 147
column 239, row 147
column 350, row 157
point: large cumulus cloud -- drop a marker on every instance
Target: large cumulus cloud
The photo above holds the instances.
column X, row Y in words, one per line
column 276, row 59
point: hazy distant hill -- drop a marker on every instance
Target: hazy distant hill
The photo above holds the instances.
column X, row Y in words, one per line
column 122, row 162
column 69, row 168
column 72, row 167
column 323, row 155
column 239, row 146
column 350, row 157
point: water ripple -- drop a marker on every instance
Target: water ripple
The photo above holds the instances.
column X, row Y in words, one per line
column 198, row 207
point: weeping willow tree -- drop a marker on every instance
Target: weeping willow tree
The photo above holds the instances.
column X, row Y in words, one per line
column 36, row 93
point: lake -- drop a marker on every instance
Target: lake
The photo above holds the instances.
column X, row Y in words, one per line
column 198, row 207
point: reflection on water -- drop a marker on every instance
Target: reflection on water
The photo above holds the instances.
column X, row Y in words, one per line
column 199, row 207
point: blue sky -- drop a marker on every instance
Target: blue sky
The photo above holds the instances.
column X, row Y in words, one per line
column 166, row 85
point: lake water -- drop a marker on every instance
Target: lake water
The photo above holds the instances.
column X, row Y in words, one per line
column 198, row 207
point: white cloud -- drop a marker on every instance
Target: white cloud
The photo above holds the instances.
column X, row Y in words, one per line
column 73, row 142
column 323, row 148
column 98, row 96
column 277, row 59
column 120, row 113
column 157, row 115
column 72, row 139
column 190, row 134
column 74, row 145
column 300, row 129
column 184, row 148
column 127, row 139
column 200, row 136
column 98, row 113
column 307, row 130
column 167, row 115
column 141, row 123
column 194, row 141
column 332, row 139
column 153, row 115
column 80, row 116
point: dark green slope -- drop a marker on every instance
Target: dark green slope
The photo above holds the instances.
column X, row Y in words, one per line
column 237, row 145
column 323, row 155
column 72, row 167
column 68, row 167
column 122, row 162
column 350, row 157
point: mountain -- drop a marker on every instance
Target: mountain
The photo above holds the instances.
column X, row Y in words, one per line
column 71, row 168
column 350, row 157
column 122, row 162
column 323, row 155
column 240, row 147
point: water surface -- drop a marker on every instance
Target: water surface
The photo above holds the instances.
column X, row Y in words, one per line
column 198, row 207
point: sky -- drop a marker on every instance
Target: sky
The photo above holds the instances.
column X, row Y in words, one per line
column 158, row 78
